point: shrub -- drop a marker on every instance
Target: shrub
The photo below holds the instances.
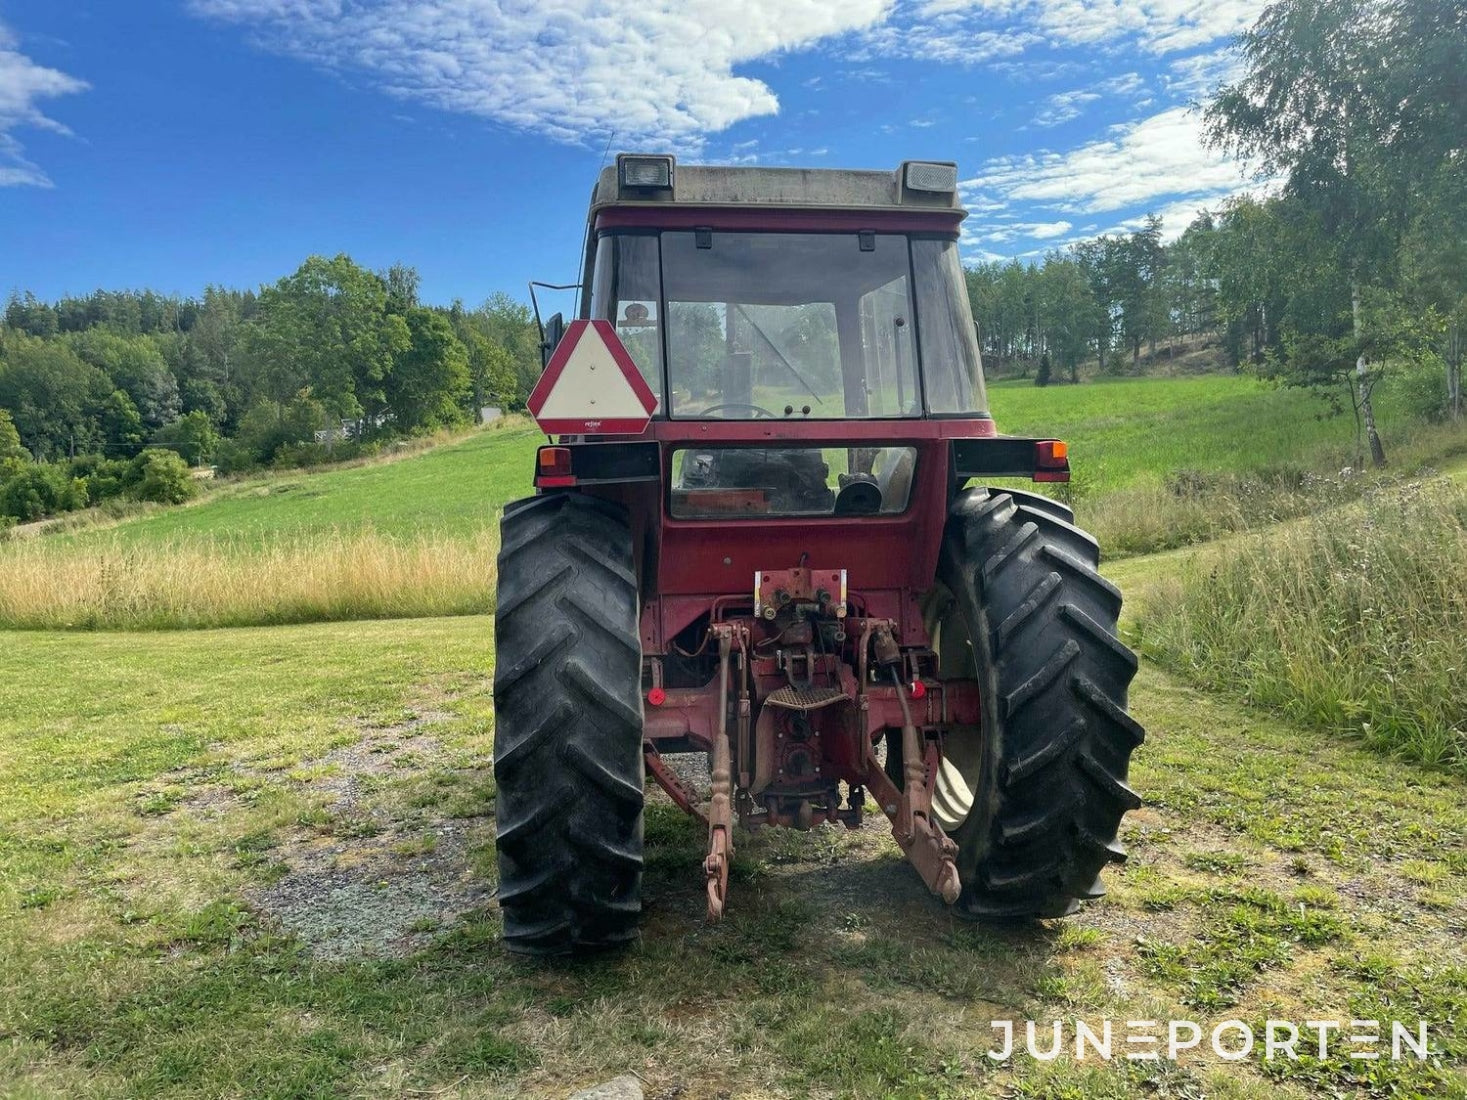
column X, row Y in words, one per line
column 193, row 436
column 10, row 438
column 234, row 458
column 1423, row 391
column 41, row 490
column 105, row 478
column 163, row 478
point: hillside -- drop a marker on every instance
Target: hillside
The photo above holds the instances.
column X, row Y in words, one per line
column 453, row 489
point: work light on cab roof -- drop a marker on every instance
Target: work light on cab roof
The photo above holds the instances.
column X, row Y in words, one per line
column 760, row 536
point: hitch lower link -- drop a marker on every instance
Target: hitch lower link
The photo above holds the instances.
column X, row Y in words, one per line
column 720, row 806
column 929, row 849
column 921, row 839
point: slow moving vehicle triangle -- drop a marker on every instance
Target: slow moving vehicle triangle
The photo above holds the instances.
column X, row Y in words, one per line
column 591, row 386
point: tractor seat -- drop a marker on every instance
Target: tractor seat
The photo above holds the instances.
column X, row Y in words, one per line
column 895, row 480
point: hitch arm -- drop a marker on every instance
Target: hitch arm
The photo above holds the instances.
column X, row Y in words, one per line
column 720, row 805
column 926, row 846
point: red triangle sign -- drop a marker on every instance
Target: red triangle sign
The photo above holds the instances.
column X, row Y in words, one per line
column 591, row 386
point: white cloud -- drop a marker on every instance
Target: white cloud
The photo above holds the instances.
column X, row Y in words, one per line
column 23, row 84
column 647, row 70
column 1043, row 231
column 1157, row 164
column 1159, row 26
column 1199, row 75
column 1156, row 158
column 1064, row 106
column 954, row 39
column 1122, row 85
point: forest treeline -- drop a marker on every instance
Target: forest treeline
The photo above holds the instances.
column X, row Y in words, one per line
column 328, row 363
column 1352, row 264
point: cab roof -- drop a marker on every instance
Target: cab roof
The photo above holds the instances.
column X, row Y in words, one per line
column 784, row 188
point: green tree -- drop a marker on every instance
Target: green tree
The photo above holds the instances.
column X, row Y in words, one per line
column 1434, row 261
column 327, row 327
column 135, row 366
column 1309, row 105
column 492, row 378
column 1099, row 261
column 38, row 490
column 53, row 396
column 509, row 325
column 269, row 427
column 1045, row 374
column 220, row 370
column 10, row 445
column 1252, row 268
column 192, row 436
column 122, row 426
column 163, row 478
column 26, row 314
column 431, row 377
column 1067, row 312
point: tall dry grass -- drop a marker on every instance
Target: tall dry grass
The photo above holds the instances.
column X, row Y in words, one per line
column 1355, row 621
column 203, row 582
column 1191, row 507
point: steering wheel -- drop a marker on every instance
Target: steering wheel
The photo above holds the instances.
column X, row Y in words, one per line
column 759, row 410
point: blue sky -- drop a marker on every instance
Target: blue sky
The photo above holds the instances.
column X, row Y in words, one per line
column 177, row 143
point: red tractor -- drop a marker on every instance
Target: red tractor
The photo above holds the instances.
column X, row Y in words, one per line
column 754, row 536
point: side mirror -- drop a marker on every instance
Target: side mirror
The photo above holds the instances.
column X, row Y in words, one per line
column 554, row 330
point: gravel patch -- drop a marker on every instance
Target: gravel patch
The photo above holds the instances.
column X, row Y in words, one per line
column 389, row 891
column 344, row 902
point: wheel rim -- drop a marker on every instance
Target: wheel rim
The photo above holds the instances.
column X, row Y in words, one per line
column 956, row 783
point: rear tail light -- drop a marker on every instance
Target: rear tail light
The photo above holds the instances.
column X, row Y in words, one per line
column 1051, row 460
column 553, row 468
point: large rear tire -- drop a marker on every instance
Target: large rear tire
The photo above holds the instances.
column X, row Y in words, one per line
column 1034, row 798
column 568, row 727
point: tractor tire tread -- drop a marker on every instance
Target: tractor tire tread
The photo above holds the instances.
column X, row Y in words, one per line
column 1043, row 621
column 568, row 727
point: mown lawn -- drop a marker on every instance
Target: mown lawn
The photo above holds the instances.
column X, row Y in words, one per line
column 258, row 862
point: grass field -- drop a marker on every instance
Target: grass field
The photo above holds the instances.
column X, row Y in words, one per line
column 1354, row 622
column 1121, row 432
column 1131, row 431
column 455, row 489
column 257, row 862
column 260, row 861
column 1157, row 464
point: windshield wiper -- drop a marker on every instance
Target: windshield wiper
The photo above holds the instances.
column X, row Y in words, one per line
column 775, row 348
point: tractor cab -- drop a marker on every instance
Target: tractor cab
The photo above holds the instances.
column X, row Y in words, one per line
column 793, row 297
